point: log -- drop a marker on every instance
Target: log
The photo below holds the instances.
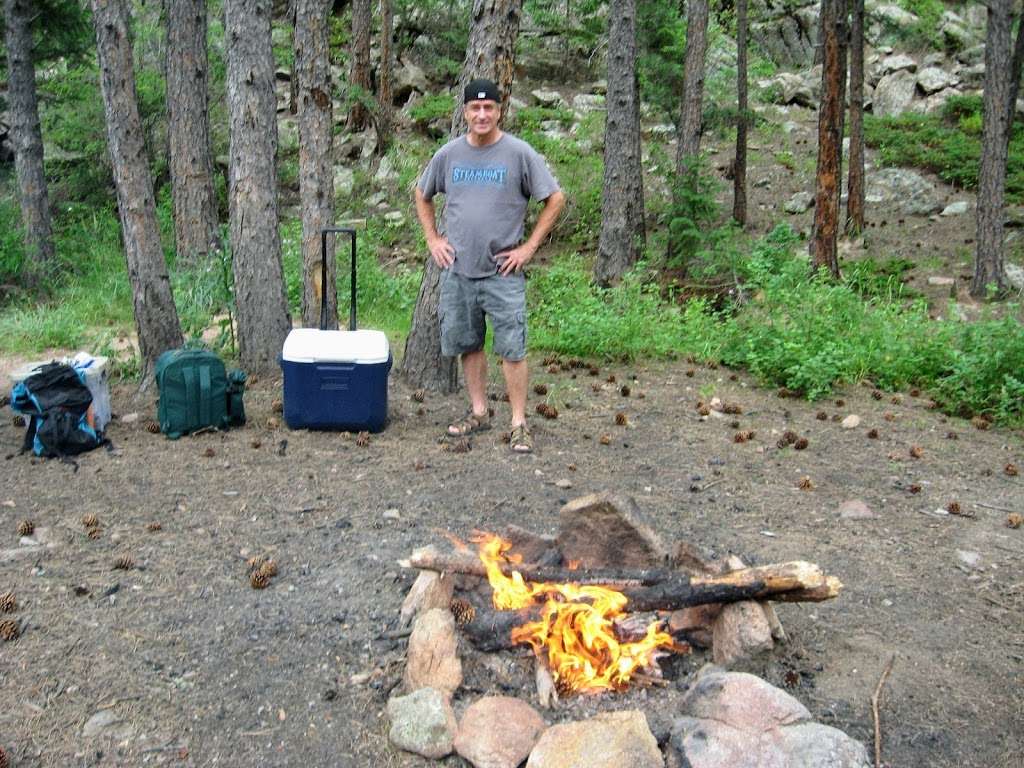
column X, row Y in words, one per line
column 659, row 588
column 467, row 562
column 491, row 630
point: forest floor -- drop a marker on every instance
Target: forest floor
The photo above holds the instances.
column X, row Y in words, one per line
column 178, row 661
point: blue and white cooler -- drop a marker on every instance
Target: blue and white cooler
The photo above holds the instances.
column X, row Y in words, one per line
column 336, row 379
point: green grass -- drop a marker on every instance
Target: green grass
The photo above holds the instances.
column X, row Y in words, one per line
column 948, row 144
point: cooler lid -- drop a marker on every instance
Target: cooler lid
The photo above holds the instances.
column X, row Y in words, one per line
column 310, row 345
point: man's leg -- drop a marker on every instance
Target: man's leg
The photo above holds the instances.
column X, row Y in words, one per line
column 516, row 381
column 474, row 366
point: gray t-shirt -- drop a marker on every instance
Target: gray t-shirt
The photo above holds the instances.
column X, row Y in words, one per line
column 486, row 190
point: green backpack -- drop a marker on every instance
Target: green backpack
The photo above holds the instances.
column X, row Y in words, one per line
column 197, row 393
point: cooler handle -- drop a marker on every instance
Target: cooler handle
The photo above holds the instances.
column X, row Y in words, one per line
column 323, row 275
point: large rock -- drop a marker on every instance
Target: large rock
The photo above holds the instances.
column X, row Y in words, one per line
column 544, row 98
column 895, row 63
column 905, row 190
column 890, row 15
column 498, row 732
column 608, row 740
column 937, row 101
column 741, row 631
column 588, row 102
column 958, row 35
column 893, row 94
column 409, row 79
column 799, row 202
column 790, row 88
column 932, row 79
column 432, row 658
column 422, row 722
column 786, row 30
column 604, row 529
column 736, row 720
column 344, row 181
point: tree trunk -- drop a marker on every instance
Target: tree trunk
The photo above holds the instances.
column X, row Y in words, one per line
column 490, row 53
column 28, row 138
column 690, row 105
column 1016, row 63
column 156, row 317
column 622, row 196
column 830, row 142
column 989, row 269
column 188, row 131
column 262, row 305
column 316, row 174
column 739, row 179
column 855, row 182
column 359, row 69
column 385, row 109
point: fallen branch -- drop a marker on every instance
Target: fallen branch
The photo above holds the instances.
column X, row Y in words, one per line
column 993, row 506
column 874, row 710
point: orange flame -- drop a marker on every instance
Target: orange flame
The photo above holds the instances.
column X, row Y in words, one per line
column 576, row 630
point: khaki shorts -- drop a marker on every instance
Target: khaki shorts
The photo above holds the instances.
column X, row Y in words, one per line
column 466, row 302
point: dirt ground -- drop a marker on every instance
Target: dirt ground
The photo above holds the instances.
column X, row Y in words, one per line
column 193, row 667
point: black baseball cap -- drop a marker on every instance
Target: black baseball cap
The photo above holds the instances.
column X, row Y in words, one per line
column 481, row 88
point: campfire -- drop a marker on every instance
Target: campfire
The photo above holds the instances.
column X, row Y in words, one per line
column 577, row 633
column 603, row 602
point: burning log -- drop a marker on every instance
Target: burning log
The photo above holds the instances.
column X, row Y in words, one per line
column 658, row 588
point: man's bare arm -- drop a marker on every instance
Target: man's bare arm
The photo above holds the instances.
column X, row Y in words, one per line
column 518, row 257
column 441, row 251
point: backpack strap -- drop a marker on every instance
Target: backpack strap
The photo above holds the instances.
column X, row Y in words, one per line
column 188, row 375
column 204, row 394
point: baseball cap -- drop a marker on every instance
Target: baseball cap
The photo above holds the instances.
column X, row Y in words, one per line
column 481, row 88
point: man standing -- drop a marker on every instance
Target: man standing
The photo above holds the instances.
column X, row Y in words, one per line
column 487, row 178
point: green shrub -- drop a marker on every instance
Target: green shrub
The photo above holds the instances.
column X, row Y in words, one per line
column 433, row 107
column 12, row 249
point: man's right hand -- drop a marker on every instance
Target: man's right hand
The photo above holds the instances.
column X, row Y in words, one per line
column 441, row 251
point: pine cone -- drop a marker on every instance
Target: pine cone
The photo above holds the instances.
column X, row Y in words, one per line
column 277, row 406
column 739, row 437
column 256, row 562
column 916, row 451
column 153, row 427
column 822, row 416
column 8, row 602
column 26, row 528
column 1011, row 470
column 363, row 439
column 95, row 533
column 258, row 580
column 18, row 421
column 462, row 610
column 269, row 569
column 605, row 439
column 1014, row 520
column 621, row 419
column 805, row 483
column 124, row 563
column 90, row 521
column 154, row 527
column 4, row 763
column 419, row 395
column 624, row 390
column 9, row 630
column 540, row 389
column 801, row 444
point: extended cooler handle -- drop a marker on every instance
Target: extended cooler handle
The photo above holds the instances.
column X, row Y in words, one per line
column 323, row 275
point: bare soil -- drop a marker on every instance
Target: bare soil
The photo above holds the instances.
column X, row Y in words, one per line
column 200, row 669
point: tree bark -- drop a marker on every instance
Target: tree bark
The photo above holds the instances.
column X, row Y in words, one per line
column 28, row 138
column 691, row 104
column 316, row 174
column 739, row 178
column 830, row 141
column 156, row 317
column 989, row 269
column 188, row 131
column 622, row 196
column 855, row 181
column 359, row 67
column 1016, row 64
column 490, row 53
column 263, row 320
column 385, row 109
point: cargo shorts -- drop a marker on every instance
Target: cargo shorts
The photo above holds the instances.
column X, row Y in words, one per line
column 466, row 302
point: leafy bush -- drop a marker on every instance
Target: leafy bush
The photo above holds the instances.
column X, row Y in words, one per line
column 433, row 107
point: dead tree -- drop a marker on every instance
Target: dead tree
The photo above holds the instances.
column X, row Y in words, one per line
column 316, row 174
column 622, row 193
column 27, row 137
column 989, row 268
column 156, row 316
column 739, row 180
column 490, row 53
column 830, row 139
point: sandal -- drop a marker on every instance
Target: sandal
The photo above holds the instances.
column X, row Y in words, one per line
column 469, row 424
column 520, row 440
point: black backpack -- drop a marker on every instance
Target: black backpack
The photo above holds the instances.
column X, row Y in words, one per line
column 56, row 401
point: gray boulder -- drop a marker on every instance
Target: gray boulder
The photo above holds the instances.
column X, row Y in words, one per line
column 904, row 190
column 786, row 30
column 932, row 79
column 422, row 722
column 799, row 203
column 894, row 94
